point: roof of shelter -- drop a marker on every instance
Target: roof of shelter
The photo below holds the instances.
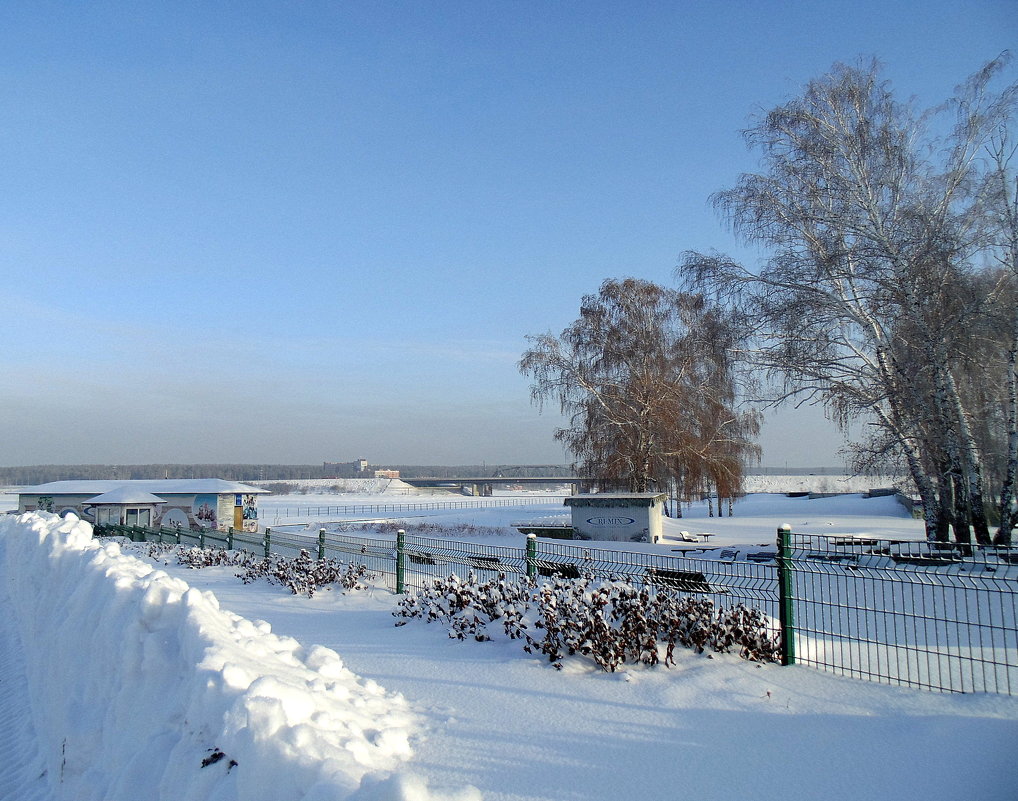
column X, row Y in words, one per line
column 171, row 486
column 125, row 495
column 611, row 499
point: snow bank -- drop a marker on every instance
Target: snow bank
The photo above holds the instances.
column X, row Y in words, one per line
column 142, row 687
column 342, row 486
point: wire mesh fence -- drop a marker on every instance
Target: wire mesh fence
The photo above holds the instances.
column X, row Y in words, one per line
column 425, row 560
column 377, row 555
column 909, row 613
column 728, row 581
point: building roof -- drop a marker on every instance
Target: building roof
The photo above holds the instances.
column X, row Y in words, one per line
column 171, row 486
column 125, row 495
column 616, row 499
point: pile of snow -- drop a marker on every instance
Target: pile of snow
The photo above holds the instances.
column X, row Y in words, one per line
column 342, row 486
column 142, row 687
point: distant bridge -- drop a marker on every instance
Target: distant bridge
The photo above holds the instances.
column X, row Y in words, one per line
column 483, row 485
column 440, row 481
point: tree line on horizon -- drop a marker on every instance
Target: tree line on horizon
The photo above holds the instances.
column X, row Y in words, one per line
column 28, row 475
column 41, row 474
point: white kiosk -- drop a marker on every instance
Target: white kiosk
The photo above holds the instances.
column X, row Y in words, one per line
column 621, row 517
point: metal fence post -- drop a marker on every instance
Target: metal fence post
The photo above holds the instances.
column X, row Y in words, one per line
column 532, row 557
column 268, row 541
column 201, row 538
column 229, row 538
column 400, row 560
column 786, row 608
column 321, row 545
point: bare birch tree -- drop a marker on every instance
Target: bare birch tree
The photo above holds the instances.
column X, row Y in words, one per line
column 874, row 300
column 645, row 378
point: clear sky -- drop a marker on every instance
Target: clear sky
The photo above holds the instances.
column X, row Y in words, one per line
column 297, row 232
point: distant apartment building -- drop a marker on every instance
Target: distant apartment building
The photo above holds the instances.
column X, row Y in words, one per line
column 358, row 468
column 387, row 474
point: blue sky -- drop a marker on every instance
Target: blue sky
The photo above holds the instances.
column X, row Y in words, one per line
column 282, row 232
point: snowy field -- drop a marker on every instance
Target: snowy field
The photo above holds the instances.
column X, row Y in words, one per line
column 123, row 676
column 755, row 520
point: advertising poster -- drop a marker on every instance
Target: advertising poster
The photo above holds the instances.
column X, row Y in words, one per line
column 206, row 511
column 225, row 512
column 250, row 512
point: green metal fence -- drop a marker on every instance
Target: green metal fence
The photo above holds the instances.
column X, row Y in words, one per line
column 378, row 555
column 908, row 613
column 730, row 581
column 913, row 614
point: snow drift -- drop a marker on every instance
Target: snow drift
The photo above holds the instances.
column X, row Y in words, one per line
column 142, row 687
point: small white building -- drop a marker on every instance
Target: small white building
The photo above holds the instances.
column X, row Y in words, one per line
column 209, row 503
column 620, row 517
column 124, row 506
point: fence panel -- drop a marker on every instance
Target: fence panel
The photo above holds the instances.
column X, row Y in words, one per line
column 428, row 559
column 907, row 613
column 377, row 555
column 190, row 537
column 249, row 541
column 290, row 544
column 727, row 581
column 941, row 618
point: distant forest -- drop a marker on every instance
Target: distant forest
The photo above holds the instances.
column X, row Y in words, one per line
column 41, row 474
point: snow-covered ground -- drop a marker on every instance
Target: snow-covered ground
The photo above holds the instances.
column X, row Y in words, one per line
column 122, row 676
column 755, row 520
column 819, row 482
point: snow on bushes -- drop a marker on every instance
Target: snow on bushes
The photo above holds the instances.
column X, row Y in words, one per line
column 142, row 687
column 304, row 575
column 610, row 622
column 468, row 606
column 301, row 574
